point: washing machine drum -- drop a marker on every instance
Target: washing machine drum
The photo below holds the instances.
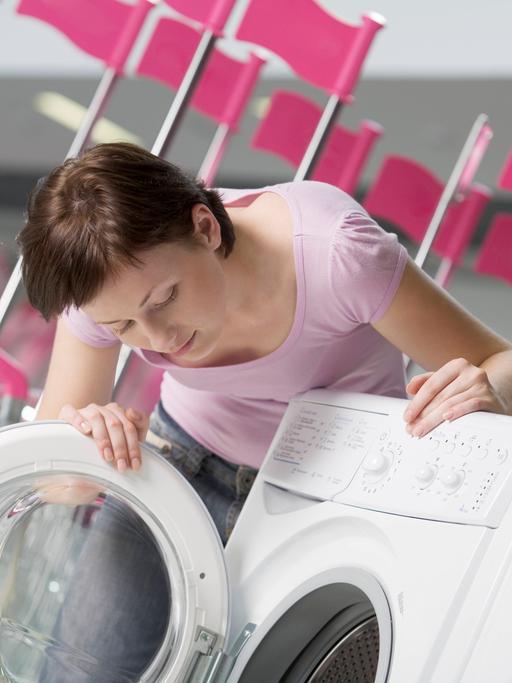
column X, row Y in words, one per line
column 91, row 560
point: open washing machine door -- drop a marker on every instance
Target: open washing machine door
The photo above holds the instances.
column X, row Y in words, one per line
column 54, row 490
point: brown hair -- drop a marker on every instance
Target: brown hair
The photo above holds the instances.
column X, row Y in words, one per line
column 91, row 215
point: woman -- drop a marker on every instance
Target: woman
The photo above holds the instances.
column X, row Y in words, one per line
column 246, row 298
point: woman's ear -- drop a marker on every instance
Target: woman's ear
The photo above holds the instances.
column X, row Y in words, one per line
column 206, row 227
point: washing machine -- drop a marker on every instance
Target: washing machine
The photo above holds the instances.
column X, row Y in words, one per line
column 362, row 554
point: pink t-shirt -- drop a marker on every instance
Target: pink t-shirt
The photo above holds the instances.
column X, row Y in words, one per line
column 348, row 270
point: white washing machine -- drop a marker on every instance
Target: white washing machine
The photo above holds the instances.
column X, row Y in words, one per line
column 362, row 554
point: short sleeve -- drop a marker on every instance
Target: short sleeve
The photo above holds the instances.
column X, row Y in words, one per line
column 365, row 267
column 87, row 330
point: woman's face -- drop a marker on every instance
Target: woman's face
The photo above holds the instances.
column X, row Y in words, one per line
column 175, row 303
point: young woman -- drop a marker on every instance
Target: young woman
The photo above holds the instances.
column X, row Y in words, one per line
column 246, row 298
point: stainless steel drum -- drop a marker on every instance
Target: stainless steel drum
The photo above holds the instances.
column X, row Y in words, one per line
column 353, row 659
column 344, row 650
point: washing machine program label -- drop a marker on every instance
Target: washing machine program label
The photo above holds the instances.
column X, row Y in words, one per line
column 459, row 472
column 318, row 448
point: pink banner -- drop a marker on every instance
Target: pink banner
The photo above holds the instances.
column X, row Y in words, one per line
column 287, row 129
column 167, row 59
column 505, row 179
column 460, row 223
column 13, row 381
column 93, row 25
column 322, row 49
column 495, row 255
column 406, row 194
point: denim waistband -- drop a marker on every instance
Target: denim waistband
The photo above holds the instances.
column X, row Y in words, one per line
column 189, row 456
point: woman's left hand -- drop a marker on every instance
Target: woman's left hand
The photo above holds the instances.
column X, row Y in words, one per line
column 457, row 388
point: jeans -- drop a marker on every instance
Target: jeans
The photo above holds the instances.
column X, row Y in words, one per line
column 115, row 612
column 222, row 486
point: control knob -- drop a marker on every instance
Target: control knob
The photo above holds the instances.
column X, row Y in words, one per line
column 452, row 479
column 425, row 475
column 376, row 463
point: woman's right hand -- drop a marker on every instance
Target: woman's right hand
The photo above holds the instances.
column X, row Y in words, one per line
column 116, row 431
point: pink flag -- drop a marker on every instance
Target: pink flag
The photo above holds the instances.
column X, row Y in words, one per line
column 13, row 381
column 168, row 56
column 505, row 179
column 93, row 25
column 287, row 129
column 406, row 194
column 460, row 223
column 322, row 49
column 495, row 255
column 212, row 13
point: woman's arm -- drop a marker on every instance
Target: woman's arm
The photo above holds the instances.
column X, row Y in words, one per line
column 469, row 366
column 79, row 374
column 78, row 390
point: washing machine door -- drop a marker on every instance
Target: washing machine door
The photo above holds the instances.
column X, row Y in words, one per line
column 104, row 577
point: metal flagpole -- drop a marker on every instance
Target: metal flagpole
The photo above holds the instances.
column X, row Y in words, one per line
column 342, row 93
column 184, row 93
column 458, row 182
column 319, row 138
column 452, row 188
column 235, row 105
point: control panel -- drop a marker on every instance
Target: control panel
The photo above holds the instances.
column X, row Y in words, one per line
column 353, row 449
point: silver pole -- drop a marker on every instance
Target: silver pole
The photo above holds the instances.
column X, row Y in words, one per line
column 443, row 272
column 95, row 110
column 214, row 150
column 319, row 138
column 450, row 190
column 124, row 355
column 184, row 93
column 10, row 290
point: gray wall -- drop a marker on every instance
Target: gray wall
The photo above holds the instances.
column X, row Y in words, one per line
column 427, row 119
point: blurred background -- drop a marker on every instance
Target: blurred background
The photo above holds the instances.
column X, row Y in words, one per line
column 429, row 73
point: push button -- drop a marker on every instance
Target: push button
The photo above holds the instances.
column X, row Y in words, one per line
column 452, row 479
column 376, row 463
column 425, row 475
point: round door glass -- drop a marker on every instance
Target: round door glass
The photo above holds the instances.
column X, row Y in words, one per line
column 91, row 588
